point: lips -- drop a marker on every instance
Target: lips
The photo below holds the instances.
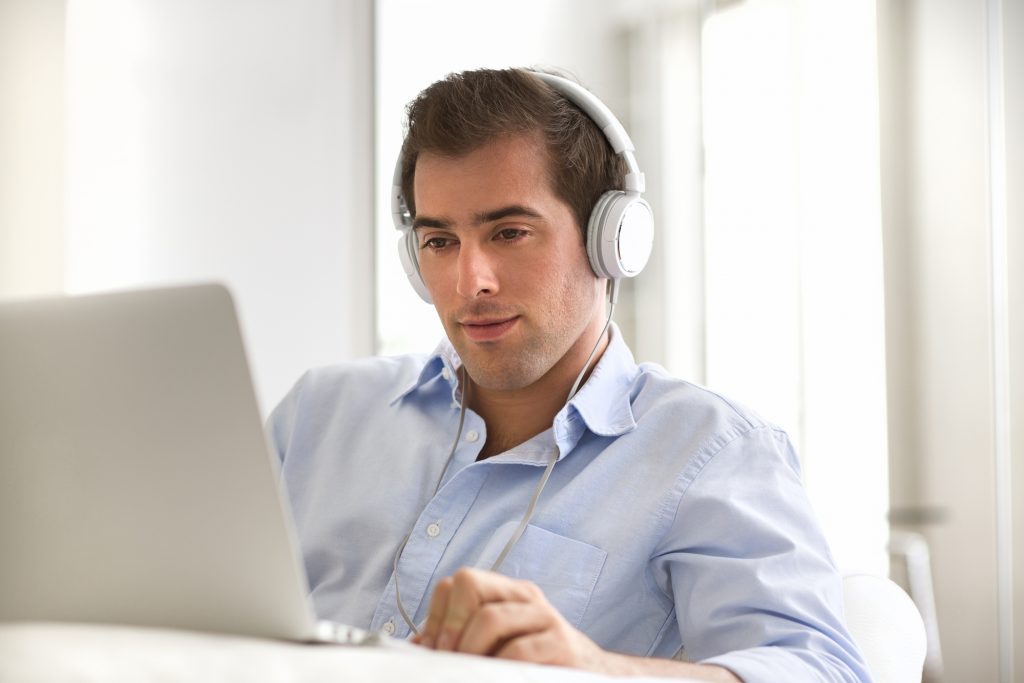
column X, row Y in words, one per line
column 489, row 329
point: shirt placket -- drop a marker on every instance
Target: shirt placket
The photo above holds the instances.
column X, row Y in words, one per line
column 430, row 537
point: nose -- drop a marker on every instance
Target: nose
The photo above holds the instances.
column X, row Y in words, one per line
column 476, row 273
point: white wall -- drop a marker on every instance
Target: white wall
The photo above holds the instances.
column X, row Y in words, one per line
column 668, row 312
column 1013, row 56
column 31, row 146
column 229, row 141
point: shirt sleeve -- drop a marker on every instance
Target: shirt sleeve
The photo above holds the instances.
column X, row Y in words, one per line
column 281, row 423
column 753, row 581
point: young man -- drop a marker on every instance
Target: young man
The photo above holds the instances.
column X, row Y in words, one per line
column 667, row 516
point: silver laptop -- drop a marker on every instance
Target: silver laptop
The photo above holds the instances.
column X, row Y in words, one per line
column 136, row 485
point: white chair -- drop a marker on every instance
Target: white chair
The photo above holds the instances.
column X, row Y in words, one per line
column 886, row 625
column 912, row 563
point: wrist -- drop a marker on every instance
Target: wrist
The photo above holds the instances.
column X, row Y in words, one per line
column 612, row 664
column 615, row 664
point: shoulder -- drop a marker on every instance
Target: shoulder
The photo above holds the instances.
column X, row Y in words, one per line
column 655, row 392
column 694, row 420
column 327, row 395
column 379, row 374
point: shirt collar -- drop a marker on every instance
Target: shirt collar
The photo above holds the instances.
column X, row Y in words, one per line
column 601, row 405
column 443, row 358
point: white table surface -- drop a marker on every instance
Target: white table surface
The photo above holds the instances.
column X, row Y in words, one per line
column 82, row 653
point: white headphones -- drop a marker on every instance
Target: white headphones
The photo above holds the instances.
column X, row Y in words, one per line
column 620, row 231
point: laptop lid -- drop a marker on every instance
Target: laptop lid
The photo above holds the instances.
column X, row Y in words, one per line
column 136, row 485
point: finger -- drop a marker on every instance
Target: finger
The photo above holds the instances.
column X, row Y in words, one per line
column 470, row 589
column 495, row 623
column 435, row 615
column 541, row 647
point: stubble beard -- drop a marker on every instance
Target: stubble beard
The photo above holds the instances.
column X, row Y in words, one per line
column 540, row 339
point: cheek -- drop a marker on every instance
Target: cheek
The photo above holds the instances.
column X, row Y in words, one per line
column 572, row 294
column 435, row 276
column 567, row 261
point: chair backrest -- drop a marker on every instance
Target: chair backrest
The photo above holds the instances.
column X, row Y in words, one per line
column 886, row 625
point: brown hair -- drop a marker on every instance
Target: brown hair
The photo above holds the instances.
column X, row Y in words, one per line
column 465, row 111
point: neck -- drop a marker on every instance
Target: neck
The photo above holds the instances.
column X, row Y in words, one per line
column 517, row 415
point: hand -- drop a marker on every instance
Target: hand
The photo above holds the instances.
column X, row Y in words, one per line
column 484, row 613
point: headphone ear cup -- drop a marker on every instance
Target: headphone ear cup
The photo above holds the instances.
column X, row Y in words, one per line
column 408, row 255
column 620, row 235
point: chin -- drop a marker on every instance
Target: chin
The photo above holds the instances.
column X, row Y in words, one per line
column 501, row 378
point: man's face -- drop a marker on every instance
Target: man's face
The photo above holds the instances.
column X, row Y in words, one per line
column 505, row 264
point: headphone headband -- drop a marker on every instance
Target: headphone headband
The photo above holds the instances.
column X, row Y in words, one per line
column 600, row 114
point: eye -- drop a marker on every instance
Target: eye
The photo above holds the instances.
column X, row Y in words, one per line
column 436, row 243
column 510, row 234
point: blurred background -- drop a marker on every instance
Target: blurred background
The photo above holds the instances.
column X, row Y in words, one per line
column 837, row 187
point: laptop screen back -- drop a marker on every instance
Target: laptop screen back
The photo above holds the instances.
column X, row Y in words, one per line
column 136, row 485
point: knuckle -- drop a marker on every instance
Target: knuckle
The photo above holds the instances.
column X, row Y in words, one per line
column 464, row 576
column 532, row 590
column 521, row 649
column 514, row 650
column 490, row 616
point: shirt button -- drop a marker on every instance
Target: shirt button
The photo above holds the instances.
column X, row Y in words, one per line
column 433, row 530
column 446, row 374
column 472, row 436
column 389, row 628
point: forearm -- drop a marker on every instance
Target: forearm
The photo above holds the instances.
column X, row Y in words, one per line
column 615, row 664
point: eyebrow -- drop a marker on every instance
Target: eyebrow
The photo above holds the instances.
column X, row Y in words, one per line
column 480, row 218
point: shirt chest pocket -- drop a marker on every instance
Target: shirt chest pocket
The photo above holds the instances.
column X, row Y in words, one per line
column 564, row 568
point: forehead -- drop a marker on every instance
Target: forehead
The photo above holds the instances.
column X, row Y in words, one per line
column 507, row 167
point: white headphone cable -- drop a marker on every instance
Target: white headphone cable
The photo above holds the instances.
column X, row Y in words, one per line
column 528, row 515
column 440, row 478
column 554, row 455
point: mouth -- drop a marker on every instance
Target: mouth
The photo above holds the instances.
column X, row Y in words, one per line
column 488, row 330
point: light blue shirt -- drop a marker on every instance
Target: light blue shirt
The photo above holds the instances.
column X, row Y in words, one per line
column 672, row 518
